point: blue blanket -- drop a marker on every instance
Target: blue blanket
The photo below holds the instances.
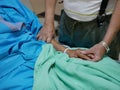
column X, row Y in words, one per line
column 18, row 45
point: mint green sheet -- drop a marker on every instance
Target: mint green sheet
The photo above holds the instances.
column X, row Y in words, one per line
column 54, row 70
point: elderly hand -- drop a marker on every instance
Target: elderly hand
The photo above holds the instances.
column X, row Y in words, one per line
column 46, row 33
column 95, row 53
column 77, row 54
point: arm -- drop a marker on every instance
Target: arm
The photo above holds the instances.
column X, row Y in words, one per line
column 114, row 25
column 48, row 30
column 98, row 50
column 72, row 53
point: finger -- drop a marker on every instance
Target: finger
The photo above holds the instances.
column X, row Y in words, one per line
column 80, row 55
column 49, row 40
column 86, row 51
column 96, row 59
column 44, row 38
column 92, row 56
column 39, row 38
column 83, row 56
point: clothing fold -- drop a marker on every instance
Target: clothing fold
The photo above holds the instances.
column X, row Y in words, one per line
column 54, row 70
column 19, row 47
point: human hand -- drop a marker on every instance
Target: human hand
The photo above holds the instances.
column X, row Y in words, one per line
column 46, row 33
column 77, row 54
column 95, row 53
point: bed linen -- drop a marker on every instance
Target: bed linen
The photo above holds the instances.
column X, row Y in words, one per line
column 19, row 48
column 54, row 70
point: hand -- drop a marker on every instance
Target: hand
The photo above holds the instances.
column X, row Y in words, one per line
column 95, row 53
column 77, row 54
column 46, row 33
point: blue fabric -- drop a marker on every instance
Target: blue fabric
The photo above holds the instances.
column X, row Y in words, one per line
column 19, row 48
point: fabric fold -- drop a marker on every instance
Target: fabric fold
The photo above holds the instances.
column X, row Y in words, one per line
column 63, row 73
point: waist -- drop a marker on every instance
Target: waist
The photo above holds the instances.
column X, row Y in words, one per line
column 83, row 17
column 107, row 17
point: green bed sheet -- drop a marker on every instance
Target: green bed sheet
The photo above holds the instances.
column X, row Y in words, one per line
column 54, row 70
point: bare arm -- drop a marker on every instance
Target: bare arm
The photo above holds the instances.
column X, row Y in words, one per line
column 114, row 25
column 97, row 51
column 48, row 30
column 50, row 11
column 72, row 53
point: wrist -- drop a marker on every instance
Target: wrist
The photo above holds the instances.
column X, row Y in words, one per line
column 105, row 45
column 49, row 23
column 66, row 49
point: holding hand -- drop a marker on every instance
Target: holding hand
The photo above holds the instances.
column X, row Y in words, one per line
column 96, row 52
column 77, row 54
column 72, row 53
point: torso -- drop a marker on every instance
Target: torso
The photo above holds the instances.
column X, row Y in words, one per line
column 86, row 10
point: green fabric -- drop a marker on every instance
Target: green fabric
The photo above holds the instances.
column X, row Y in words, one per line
column 56, row 71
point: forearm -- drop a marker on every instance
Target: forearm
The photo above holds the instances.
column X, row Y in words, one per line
column 72, row 53
column 114, row 25
column 50, row 11
column 57, row 45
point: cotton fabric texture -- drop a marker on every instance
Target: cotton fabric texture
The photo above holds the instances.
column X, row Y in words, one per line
column 54, row 70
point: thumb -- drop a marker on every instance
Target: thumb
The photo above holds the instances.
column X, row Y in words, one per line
column 96, row 58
